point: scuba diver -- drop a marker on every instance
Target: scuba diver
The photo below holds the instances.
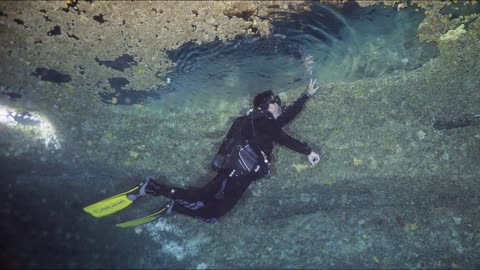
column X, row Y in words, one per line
column 243, row 158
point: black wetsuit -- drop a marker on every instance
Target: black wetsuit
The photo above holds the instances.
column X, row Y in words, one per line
column 222, row 193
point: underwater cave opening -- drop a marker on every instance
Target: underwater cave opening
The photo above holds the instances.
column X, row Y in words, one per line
column 326, row 43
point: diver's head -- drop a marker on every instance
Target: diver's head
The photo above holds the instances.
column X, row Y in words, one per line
column 267, row 101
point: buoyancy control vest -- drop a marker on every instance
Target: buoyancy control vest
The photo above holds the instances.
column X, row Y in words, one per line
column 238, row 153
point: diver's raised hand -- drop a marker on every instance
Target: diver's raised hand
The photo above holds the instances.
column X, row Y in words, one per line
column 314, row 158
column 312, row 87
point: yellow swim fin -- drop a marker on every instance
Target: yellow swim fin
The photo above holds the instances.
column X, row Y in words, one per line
column 164, row 210
column 111, row 205
column 118, row 202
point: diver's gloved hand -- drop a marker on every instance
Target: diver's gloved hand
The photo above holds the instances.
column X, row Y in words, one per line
column 313, row 158
column 312, row 87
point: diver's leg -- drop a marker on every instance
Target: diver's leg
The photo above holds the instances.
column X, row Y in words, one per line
column 174, row 193
column 192, row 194
column 232, row 192
column 205, row 213
column 199, row 203
column 219, row 197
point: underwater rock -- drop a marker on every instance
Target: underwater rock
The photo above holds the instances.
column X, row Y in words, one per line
column 241, row 10
column 99, row 18
column 117, row 83
column 461, row 122
column 120, row 63
column 55, row 31
column 51, row 75
column 161, row 25
column 432, row 27
column 454, row 34
column 127, row 97
column 73, row 36
column 20, row 22
column 12, row 95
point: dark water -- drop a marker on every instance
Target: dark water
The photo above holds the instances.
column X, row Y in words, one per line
column 327, row 44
